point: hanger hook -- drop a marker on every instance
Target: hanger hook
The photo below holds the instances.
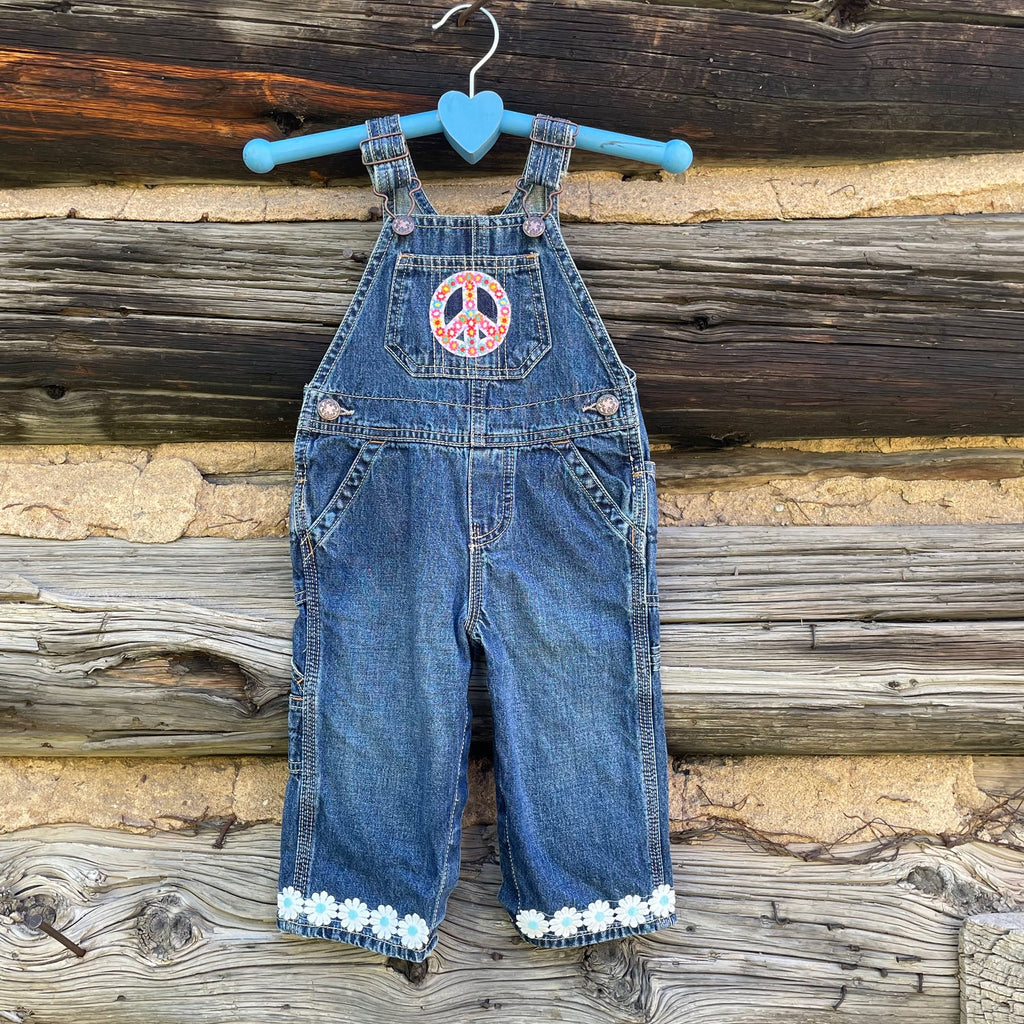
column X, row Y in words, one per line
column 487, row 56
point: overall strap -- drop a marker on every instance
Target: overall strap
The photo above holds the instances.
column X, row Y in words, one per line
column 552, row 140
column 385, row 153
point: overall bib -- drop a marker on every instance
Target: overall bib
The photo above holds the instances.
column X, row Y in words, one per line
column 473, row 481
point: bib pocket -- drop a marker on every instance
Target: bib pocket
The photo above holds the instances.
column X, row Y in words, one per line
column 467, row 316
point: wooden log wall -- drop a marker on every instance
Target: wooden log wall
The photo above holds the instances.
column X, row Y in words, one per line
column 174, row 92
column 826, row 317
column 738, row 332
column 861, row 639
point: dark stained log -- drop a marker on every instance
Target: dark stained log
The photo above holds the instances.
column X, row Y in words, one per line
column 789, row 640
column 739, row 331
column 116, row 92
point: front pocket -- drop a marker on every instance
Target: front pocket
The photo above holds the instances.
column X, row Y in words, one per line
column 602, row 468
column 336, row 467
column 467, row 316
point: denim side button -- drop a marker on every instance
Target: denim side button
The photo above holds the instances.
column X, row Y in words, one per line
column 607, row 405
column 328, row 408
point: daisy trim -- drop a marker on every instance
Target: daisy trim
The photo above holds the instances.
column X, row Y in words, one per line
column 599, row 915
column 353, row 915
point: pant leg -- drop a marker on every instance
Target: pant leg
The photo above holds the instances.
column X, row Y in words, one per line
column 580, row 759
column 371, row 838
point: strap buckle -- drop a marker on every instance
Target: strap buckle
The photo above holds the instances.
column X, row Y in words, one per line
column 387, row 135
column 559, row 120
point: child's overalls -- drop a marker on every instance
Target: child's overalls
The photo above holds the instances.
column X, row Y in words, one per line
column 473, row 480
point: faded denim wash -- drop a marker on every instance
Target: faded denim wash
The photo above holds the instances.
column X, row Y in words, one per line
column 473, row 481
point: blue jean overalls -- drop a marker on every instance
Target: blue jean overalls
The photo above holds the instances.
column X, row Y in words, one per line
column 473, row 481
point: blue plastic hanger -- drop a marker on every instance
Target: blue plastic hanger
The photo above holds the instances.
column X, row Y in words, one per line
column 471, row 124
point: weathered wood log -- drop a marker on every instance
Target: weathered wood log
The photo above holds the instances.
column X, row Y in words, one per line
column 104, row 94
column 997, row 775
column 117, row 330
column 992, row 969
column 772, row 937
column 742, row 467
column 796, row 640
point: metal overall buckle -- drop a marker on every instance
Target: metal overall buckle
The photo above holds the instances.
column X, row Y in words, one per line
column 402, row 223
column 534, row 225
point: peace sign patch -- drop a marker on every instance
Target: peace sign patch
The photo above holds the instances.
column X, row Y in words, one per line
column 480, row 318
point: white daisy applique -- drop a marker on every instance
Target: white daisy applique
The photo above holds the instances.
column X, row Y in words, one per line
column 532, row 922
column 354, row 915
column 290, row 903
column 321, row 908
column 663, row 901
column 599, row 915
column 384, row 921
column 413, row 931
column 632, row 910
column 566, row 922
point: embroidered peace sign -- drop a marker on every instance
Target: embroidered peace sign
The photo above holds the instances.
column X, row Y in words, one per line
column 478, row 327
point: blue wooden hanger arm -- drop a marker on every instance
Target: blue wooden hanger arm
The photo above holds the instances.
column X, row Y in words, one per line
column 261, row 156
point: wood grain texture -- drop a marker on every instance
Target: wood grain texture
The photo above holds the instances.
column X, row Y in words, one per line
column 749, row 467
column 992, row 969
column 793, row 640
column 148, row 332
column 176, row 931
column 173, row 92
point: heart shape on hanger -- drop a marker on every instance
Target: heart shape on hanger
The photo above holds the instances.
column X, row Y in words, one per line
column 471, row 123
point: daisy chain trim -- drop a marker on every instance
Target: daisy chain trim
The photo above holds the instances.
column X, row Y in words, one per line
column 599, row 915
column 353, row 915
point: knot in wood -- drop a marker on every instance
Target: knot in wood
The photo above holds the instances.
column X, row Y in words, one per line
column 166, row 927
column 39, row 907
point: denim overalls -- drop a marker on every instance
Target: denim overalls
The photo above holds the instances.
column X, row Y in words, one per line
column 473, row 481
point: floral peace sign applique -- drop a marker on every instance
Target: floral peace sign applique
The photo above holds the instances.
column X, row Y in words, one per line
column 480, row 324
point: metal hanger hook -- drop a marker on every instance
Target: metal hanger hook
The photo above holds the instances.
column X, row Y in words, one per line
column 487, row 56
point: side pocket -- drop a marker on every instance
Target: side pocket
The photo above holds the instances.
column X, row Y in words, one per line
column 295, row 716
column 653, row 598
column 298, row 524
column 296, row 695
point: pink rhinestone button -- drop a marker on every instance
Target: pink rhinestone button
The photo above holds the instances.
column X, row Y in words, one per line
column 328, row 409
column 534, row 225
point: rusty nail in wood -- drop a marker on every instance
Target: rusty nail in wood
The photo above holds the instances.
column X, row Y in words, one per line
column 35, row 920
column 224, row 831
column 471, row 10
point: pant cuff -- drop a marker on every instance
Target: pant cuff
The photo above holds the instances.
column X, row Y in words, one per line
column 362, row 939
column 589, row 938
